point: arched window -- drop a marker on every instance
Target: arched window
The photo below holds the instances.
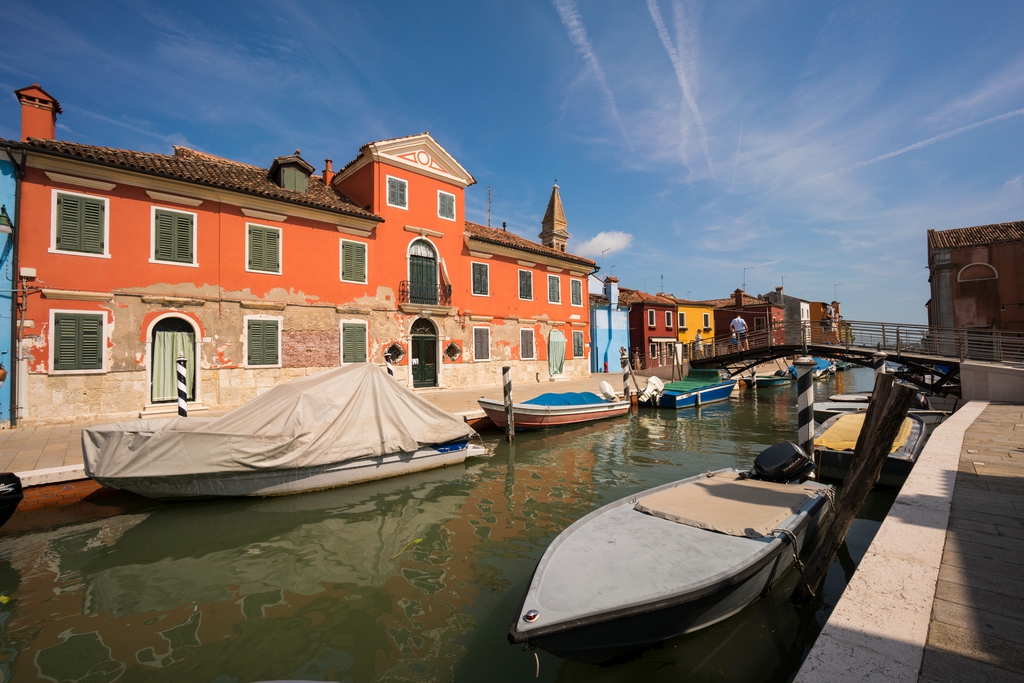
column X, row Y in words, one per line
column 977, row 271
column 172, row 337
column 422, row 273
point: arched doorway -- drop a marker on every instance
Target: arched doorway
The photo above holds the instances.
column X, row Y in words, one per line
column 422, row 273
column 171, row 338
column 423, row 356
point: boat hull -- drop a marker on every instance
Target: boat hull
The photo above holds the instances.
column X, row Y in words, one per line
column 700, row 397
column 834, row 465
column 11, row 495
column 526, row 416
column 611, row 634
column 299, row 480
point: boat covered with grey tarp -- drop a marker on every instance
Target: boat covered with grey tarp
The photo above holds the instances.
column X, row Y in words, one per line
column 341, row 426
column 668, row 561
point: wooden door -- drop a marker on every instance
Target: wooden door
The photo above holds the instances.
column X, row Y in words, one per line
column 424, row 361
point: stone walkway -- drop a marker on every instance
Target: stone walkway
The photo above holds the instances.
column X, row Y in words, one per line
column 977, row 624
column 35, row 448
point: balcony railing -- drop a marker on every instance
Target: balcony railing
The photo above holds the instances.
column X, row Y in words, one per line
column 425, row 294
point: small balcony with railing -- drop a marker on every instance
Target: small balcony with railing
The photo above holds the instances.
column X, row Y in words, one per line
column 424, row 293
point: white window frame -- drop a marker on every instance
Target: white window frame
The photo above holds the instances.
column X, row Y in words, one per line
column 53, row 225
column 195, row 233
column 651, row 318
column 489, row 354
column 558, row 279
column 707, row 321
column 52, row 342
column 439, row 193
column 487, row 266
column 583, row 344
column 681, row 319
column 245, row 338
column 654, row 351
column 341, row 338
column 519, row 289
column 668, row 320
column 573, row 281
column 533, row 336
column 280, row 255
column 387, row 192
column 341, row 262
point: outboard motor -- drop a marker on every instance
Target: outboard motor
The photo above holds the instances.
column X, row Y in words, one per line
column 782, row 463
column 10, row 495
column 655, row 388
column 607, row 391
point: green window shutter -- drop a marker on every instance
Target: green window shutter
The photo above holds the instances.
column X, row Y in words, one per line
column 69, row 218
column 577, row 344
column 353, row 262
column 183, row 247
column 402, row 189
column 445, row 205
column 78, row 342
column 80, row 224
column 163, row 248
column 397, row 189
column 92, row 225
column 480, row 284
column 264, row 249
column 263, row 344
column 354, row 343
column 525, row 284
column 288, row 178
column 554, row 290
column 577, row 293
column 273, row 250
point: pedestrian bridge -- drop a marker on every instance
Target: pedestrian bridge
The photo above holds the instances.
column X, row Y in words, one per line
column 928, row 357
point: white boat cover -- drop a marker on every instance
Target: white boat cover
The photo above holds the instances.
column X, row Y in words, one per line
column 355, row 411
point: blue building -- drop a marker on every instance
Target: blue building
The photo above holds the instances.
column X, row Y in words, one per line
column 609, row 328
column 7, row 199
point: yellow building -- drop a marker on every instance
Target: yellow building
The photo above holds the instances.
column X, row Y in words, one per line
column 695, row 317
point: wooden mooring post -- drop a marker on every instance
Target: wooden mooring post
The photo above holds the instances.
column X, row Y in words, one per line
column 888, row 408
column 510, row 424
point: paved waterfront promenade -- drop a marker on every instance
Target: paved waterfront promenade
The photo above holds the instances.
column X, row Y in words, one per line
column 38, row 448
column 939, row 596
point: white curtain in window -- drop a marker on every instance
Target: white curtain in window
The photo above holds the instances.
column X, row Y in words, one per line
column 167, row 347
column 556, row 352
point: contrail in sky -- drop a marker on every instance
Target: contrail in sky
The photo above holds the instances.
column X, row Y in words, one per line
column 677, row 63
column 937, row 138
column 570, row 16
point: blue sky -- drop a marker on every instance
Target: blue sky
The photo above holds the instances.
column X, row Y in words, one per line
column 812, row 140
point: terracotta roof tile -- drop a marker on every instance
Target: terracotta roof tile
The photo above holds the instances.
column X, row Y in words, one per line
column 192, row 166
column 508, row 239
column 730, row 302
column 978, row 235
column 628, row 297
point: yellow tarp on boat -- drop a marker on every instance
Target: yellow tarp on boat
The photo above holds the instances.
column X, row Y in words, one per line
column 842, row 436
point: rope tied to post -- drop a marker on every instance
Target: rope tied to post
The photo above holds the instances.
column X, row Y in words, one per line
column 796, row 555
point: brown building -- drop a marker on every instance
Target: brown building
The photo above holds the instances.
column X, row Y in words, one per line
column 652, row 327
column 977, row 276
column 759, row 314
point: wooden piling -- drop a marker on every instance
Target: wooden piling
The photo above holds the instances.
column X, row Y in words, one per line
column 886, row 412
column 510, row 425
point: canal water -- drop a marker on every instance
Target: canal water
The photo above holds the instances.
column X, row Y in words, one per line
column 411, row 579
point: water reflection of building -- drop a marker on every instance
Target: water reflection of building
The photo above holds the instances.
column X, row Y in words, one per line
column 372, row 581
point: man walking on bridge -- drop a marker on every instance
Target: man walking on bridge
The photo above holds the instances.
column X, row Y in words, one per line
column 739, row 328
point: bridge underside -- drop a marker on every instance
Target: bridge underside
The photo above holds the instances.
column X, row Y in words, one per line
column 935, row 374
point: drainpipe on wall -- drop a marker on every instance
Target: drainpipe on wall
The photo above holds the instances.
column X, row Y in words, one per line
column 19, row 173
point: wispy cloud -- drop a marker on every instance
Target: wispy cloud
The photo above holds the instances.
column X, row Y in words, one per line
column 570, row 16
column 677, row 64
column 937, row 138
column 609, row 242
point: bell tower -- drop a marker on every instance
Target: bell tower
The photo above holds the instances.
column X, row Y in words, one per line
column 553, row 228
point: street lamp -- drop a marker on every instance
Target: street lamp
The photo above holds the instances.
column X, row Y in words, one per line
column 6, row 227
column 602, row 257
column 835, row 291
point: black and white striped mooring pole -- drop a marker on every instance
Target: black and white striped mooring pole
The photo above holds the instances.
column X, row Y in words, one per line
column 387, row 359
column 878, row 362
column 805, row 403
column 182, row 387
column 510, row 423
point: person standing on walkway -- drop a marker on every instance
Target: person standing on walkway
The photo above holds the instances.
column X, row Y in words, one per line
column 739, row 328
column 698, row 345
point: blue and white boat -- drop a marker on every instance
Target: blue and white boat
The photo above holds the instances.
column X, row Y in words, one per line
column 700, row 387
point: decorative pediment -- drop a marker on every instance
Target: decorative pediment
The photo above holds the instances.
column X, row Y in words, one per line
column 418, row 153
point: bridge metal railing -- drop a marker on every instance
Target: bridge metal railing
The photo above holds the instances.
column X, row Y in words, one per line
column 999, row 346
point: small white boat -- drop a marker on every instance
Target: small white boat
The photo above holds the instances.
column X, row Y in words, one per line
column 557, row 409
column 343, row 426
column 670, row 560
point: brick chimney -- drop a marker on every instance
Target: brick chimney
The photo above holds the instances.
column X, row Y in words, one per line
column 738, row 298
column 38, row 113
column 328, row 172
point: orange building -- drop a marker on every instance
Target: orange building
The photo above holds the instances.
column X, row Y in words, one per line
column 258, row 275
